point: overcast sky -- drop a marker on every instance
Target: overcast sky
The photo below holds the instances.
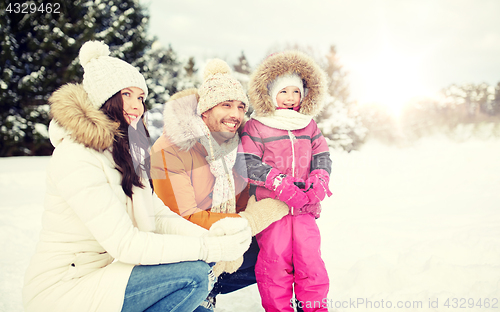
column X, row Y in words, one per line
column 414, row 46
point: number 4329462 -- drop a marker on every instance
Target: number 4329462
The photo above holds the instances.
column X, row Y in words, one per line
column 27, row 8
column 471, row 303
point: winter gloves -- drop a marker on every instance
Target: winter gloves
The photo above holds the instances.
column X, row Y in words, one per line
column 227, row 266
column 262, row 213
column 259, row 216
column 285, row 190
column 229, row 238
column 226, row 240
column 317, row 186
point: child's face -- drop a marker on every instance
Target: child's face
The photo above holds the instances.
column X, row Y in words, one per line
column 288, row 97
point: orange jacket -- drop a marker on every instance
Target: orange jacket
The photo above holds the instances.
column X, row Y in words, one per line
column 182, row 178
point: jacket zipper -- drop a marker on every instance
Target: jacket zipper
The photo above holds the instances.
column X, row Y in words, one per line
column 292, row 139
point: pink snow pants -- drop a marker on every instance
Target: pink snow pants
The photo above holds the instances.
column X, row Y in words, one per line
column 290, row 258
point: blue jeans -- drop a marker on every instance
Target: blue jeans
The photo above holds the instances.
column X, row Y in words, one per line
column 179, row 287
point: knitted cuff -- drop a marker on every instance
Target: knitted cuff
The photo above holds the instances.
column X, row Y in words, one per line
column 251, row 222
column 212, row 251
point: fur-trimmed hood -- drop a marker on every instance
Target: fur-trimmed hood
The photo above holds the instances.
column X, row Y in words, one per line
column 179, row 117
column 74, row 116
column 284, row 63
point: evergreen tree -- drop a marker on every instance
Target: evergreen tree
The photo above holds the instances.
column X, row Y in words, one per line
column 242, row 67
column 190, row 68
column 167, row 74
column 339, row 121
column 39, row 54
column 241, row 71
column 459, row 112
column 495, row 105
column 162, row 73
column 469, row 102
column 189, row 75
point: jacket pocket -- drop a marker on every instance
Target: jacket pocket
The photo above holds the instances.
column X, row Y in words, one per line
column 86, row 262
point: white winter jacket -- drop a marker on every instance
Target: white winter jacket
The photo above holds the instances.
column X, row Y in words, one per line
column 90, row 241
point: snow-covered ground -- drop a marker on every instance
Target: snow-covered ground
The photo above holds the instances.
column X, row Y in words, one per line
column 411, row 229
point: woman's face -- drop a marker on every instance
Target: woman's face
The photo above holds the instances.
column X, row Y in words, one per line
column 133, row 106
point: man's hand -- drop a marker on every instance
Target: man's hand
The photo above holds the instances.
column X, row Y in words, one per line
column 262, row 213
column 227, row 266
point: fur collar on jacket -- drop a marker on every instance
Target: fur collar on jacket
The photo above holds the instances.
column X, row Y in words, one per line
column 284, row 63
column 72, row 111
column 179, row 117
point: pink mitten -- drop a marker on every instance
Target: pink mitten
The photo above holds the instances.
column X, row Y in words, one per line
column 317, row 186
column 289, row 193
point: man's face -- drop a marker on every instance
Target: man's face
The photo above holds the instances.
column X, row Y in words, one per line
column 224, row 119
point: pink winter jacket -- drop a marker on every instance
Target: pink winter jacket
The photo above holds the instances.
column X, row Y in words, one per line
column 293, row 152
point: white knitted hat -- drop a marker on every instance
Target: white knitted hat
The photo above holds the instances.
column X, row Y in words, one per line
column 105, row 75
column 283, row 82
column 219, row 86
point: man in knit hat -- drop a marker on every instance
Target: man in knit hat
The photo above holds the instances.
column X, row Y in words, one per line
column 192, row 167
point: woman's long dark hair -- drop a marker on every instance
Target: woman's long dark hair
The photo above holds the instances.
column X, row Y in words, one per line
column 130, row 147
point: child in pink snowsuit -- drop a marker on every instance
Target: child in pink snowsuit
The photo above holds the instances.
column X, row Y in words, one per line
column 284, row 156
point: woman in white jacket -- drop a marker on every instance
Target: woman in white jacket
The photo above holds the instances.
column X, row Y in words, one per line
column 108, row 243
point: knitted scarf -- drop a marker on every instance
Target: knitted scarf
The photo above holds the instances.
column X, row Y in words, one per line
column 139, row 208
column 221, row 159
column 284, row 119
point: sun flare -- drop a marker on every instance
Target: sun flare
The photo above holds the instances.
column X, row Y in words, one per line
column 390, row 79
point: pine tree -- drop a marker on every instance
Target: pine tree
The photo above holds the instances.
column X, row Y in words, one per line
column 166, row 74
column 459, row 112
column 470, row 101
column 242, row 67
column 495, row 105
column 189, row 75
column 241, row 71
column 163, row 69
column 339, row 121
column 40, row 52
column 190, row 67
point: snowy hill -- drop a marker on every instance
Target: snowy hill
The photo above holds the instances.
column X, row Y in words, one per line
column 413, row 229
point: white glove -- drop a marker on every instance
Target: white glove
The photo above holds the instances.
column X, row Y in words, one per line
column 226, row 240
column 227, row 226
